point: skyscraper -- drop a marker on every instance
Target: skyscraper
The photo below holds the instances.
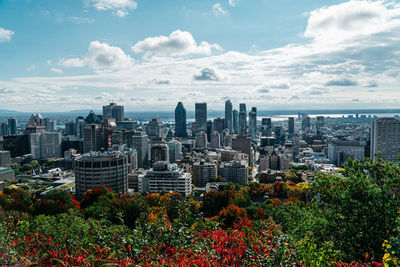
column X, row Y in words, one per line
column 201, row 140
column 242, row 119
column 319, row 126
column 45, row 145
column 140, row 142
column 112, row 111
column 3, row 129
column 92, row 137
column 12, row 125
column 200, row 117
column 291, row 127
column 155, row 128
column 180, row 120
column 253, row 121
column 235, row 120
column 79, row 122
column 215, row 140
column 219, row 124
column 305, row 124
column 228, row 116
column 385, row 139
column 266, row 127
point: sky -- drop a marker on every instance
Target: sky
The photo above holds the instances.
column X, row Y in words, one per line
column 61, row 55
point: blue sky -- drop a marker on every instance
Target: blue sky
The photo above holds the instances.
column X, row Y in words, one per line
column 148, row 54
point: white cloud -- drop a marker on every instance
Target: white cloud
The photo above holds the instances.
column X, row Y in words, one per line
column 218, row 10
column 120, row 8
column 101, row 56
column 307, row 75
column 351, row 19
column 81, row 20
column 206, row 74
column 177, row 43
column 5, row 35
column 56, row 70
column 31, row 67
column 233, row 3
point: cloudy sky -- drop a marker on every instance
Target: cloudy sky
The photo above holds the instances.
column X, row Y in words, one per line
column 58, row 55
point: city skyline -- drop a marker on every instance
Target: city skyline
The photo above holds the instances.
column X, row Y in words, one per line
column 305, row 54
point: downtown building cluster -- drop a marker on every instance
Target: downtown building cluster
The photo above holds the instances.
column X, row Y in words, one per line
column 158, row 156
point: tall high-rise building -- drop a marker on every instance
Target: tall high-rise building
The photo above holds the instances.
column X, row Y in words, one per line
column 155, row 128
column 305, row 124
column 101, row 169
column 291, row 126
column 159, row 152
column 45, row 145
column 79, row 122
column 3, row 129
column 92, row 137
column 112, row 111
column 180, row 120
column 243, row 144
column 319, row 126
column 200, row 117
column 70, row 128
column 215, row 140
column 235, row 121
column 279, row 135
column 12, row 125
column 140, row 142
column 385, row 139
column 266, row 127
column 219, row 124
column 253, row 122
column 201, row 140
column 51, row 125
column 242, row 119
column 110, row 126
column 175, row 150
column 228, row 116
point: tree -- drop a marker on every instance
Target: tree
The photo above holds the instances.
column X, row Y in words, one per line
column 214, row 202
column 361, row 206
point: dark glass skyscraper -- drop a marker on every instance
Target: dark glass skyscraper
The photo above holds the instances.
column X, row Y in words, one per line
column 200, row 117
column 235, row 120
column 228, row 116
column 242, row 119
column 266, row 126
column 291, row 127
column 12, row 125
column 253, row 122
column 180, row 120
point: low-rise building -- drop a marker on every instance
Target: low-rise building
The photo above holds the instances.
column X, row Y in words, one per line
column 6, row 174
column 235, row 171
column 165, row 178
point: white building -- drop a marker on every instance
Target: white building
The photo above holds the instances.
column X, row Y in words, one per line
column 175, row 150
column 385, row 139
column 5, row 158
column 215, row 140
column 339, row 151
column 201, row 140
column 166, row 178
column 45, row 145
